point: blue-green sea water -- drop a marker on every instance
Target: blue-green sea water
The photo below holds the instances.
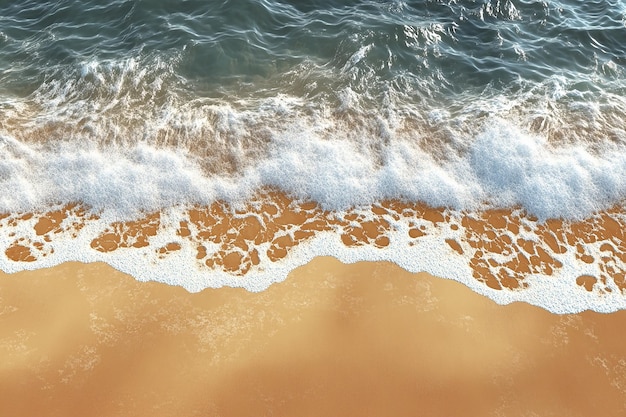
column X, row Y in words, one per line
column 447, row 101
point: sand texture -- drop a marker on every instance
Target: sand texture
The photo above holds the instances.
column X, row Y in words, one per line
column 367, row 339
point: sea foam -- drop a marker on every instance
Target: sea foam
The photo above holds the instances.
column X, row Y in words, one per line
column 504, row 166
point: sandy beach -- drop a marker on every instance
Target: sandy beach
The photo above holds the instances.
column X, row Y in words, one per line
column 367, row 339
column 325, row 208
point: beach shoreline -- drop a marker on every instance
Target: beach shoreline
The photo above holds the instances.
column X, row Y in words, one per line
column 327, row 208
column 564, row 266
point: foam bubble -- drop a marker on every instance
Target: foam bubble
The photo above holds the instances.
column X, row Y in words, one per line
column 119, row 180
column 517, row 168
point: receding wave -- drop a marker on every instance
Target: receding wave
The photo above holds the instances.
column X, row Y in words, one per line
column 200, row 154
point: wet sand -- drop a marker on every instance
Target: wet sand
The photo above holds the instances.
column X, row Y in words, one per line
column 368, row 339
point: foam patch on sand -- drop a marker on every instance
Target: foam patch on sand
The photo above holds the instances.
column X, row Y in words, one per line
column 507, row 255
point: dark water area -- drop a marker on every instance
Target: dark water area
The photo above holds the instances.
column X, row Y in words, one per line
column 439, row 48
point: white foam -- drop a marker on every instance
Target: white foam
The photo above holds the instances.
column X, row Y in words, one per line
column 517, row 168
column 125, row 181
column 502, row 167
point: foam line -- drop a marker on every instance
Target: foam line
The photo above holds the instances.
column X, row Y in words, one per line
column 502, row 167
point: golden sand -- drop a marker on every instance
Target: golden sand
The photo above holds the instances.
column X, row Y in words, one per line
column 501, row 247
column 368, row 339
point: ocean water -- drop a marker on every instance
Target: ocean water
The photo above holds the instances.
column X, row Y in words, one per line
column 225, row 143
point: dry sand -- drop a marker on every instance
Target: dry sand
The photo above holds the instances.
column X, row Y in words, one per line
column 368, row 339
